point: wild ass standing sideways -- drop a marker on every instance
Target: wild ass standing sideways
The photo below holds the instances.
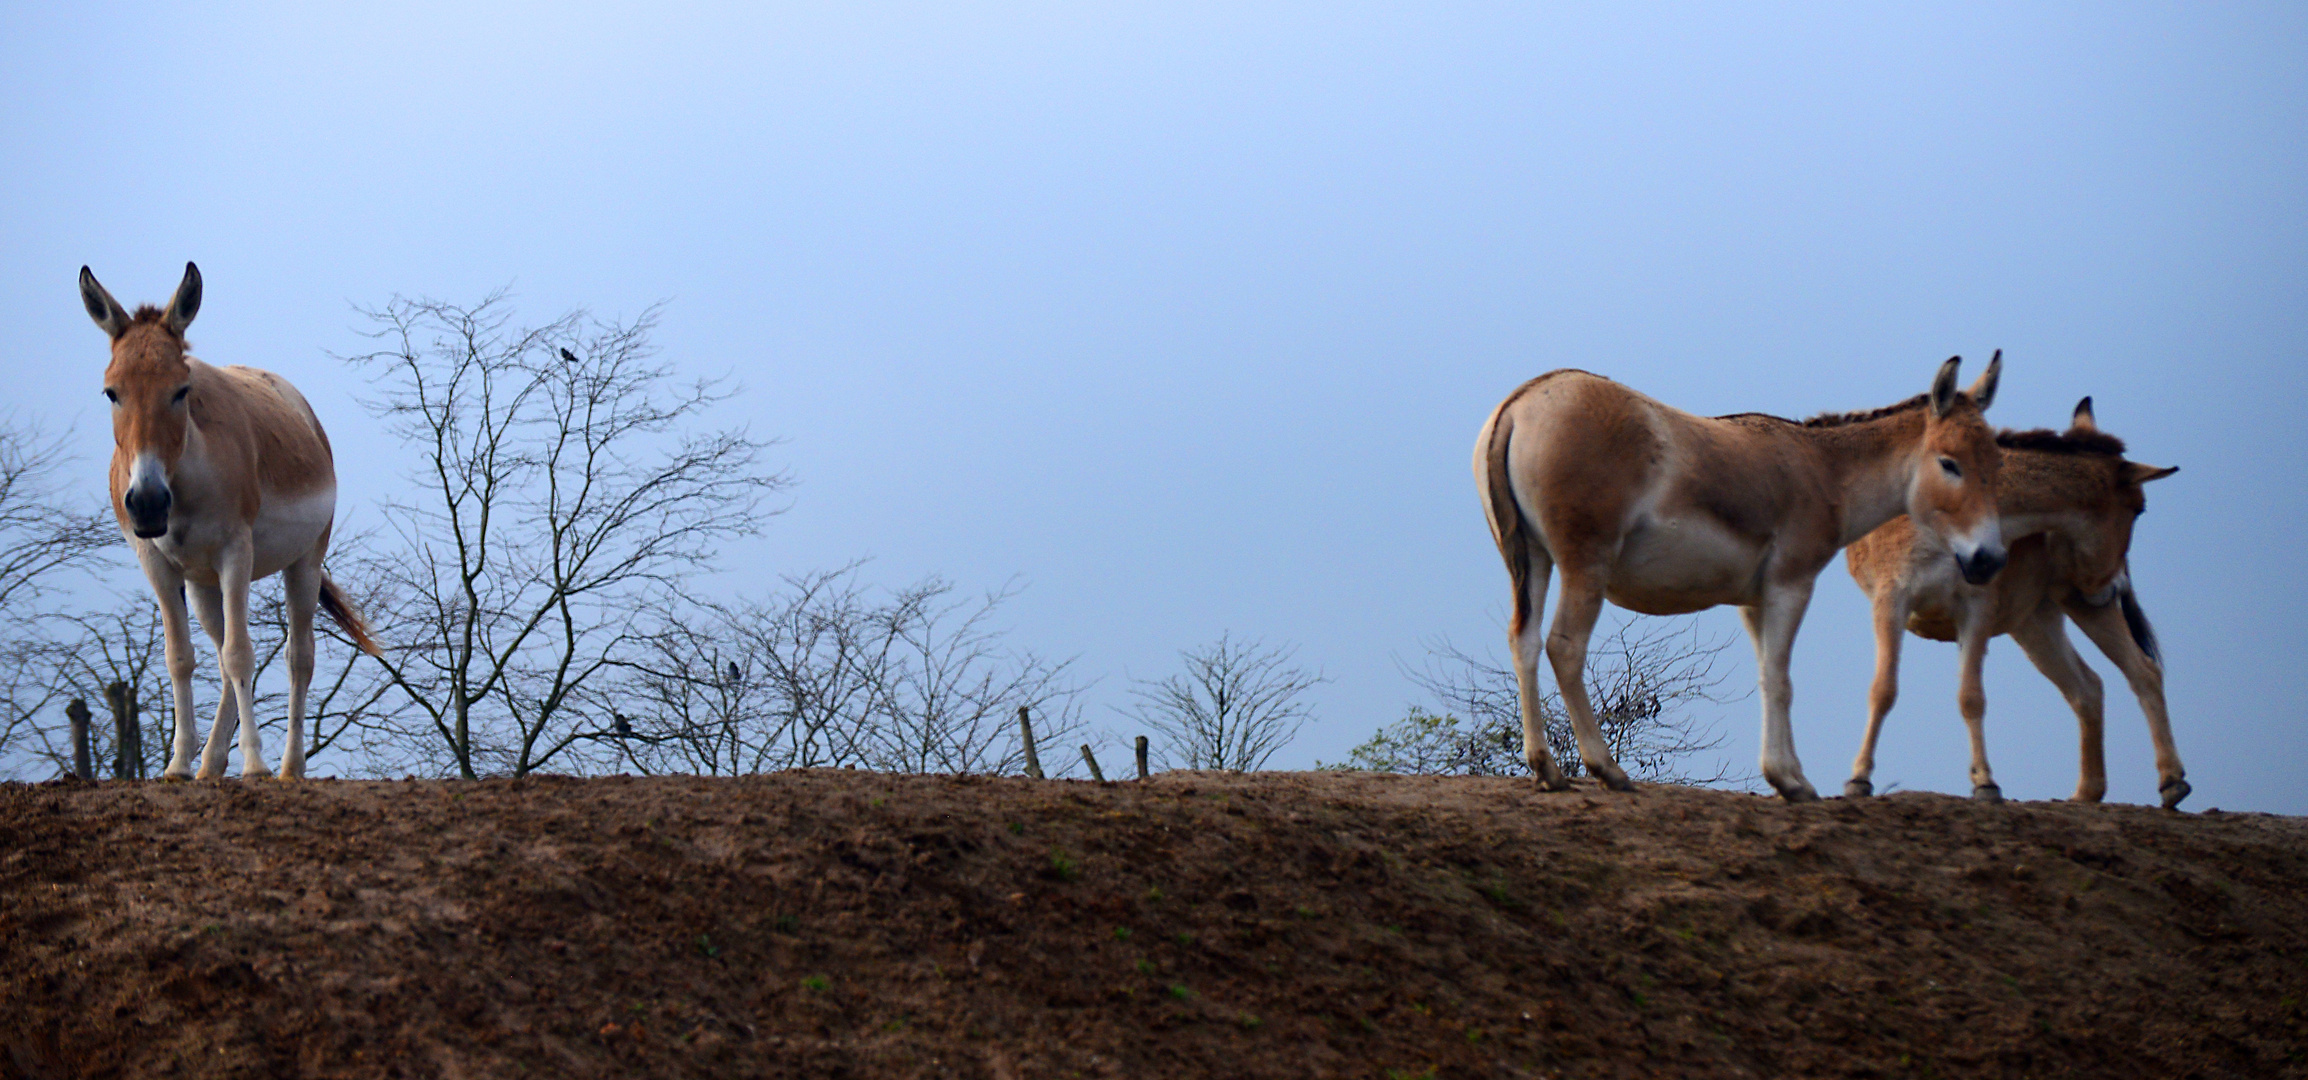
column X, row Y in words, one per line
column 2068, row 501
column 220, row 476
column 1664, row 513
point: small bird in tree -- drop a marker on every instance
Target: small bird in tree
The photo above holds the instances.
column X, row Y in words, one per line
column 568, row 357
column 735, row 676
column 624, row 726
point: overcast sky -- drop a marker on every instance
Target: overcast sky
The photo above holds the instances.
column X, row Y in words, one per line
column 1186, row 315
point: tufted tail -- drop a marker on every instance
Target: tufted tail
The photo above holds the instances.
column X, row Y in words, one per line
column 340, row 608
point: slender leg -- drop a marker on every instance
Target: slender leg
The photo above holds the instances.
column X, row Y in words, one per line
column 208, row 601
column 302, row 582
column 1971, row 696
column 2105, row 626
column 1527, row 642
column 239, row 654
column 1578, row 607
column 176, row 626
column 1890, row 630
column 1772, row 626
column 2044, row 638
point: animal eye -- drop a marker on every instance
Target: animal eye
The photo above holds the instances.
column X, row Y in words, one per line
column 180, row 392
column 1948, row 466
column 110, row 396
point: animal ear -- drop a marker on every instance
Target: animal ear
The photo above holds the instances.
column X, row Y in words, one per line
column 109, row 315
column 186, row 303
column 1983, row 391
column 2083, row 419
column 1943, row 387
column 2136, row 473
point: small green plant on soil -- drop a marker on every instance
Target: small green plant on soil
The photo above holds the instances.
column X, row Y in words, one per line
column 1064, row 866
column 1121, row 933
column 1180, row 992
column 787, row 924
column 1184, row 939
column 1017, row 828
column 1145, row 966
column 1248, row 1022
column 1427, row 1073
column 1305, row 912
column 706, row 947
column 1474, row 1035
column 879, row 802
column 816, row 983
column 1154, row 895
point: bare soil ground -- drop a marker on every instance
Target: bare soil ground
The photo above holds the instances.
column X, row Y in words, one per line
column 855, row 924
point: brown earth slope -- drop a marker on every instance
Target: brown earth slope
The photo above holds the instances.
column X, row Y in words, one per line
column 855, row 924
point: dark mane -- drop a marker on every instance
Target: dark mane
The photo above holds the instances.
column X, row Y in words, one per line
column 2044, row 440
column 1836, row 419
column 1839, row 419
column 146, row 313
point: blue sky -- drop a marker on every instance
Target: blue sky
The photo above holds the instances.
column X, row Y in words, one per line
column 1187, row 315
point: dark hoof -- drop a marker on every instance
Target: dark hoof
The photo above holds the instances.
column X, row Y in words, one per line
column 1558, row 782
column 2174, row 791
column 1857, row 789
column 1616, row 780
column 1987, row 793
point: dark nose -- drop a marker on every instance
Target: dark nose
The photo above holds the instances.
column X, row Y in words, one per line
column 148, row 510
column 1981, row 567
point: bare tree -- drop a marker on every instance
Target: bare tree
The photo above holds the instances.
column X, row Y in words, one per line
column 43, row 529
column 947, row 694
column 45, row 532
column 1233, row 706
column 828, row 674
column 562, row 494
column 1641, row 679
column 95, row 649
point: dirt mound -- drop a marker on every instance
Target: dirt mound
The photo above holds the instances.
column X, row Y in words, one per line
column 855, row 924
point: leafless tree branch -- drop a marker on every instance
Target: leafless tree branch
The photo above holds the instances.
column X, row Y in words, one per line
column 1234, row 705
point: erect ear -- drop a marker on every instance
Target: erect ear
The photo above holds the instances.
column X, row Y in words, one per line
column 186, row 303
column 1983, row 391
column 109, row 315
column 1943, row 387
column 2136, row 473
column 2084, row 420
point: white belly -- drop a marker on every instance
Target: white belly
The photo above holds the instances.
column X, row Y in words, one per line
column 287, row 529
column 1672, row 565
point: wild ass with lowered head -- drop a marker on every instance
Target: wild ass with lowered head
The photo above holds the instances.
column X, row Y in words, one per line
column 2068, row 501
column 220, row 476
column 1665, row 513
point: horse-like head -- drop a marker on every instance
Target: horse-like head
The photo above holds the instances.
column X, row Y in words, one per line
column 2101, row 538
column 150, row 385
column 1953, row 494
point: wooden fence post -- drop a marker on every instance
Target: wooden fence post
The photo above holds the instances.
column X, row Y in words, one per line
column 77, row 712
column 1095, row 773
column 1026, row 735
column 1141, row 757
column 128, row 734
